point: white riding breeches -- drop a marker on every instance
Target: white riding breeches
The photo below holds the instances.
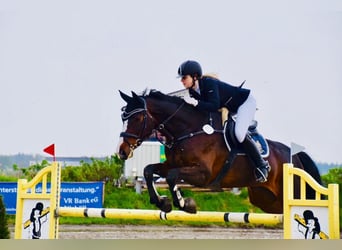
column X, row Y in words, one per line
column 244, row 117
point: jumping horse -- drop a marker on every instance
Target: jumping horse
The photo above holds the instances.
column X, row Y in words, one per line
column 197, row 156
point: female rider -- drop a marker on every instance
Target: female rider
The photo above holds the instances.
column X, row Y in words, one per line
column 210, row 94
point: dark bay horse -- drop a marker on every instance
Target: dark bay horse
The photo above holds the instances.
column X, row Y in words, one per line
column 197, row 157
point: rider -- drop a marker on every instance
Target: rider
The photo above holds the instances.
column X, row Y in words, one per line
column 207, row 93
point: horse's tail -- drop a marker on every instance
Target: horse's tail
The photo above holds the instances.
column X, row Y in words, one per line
column 311, row 168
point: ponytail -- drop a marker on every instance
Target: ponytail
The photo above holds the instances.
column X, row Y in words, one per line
column 211, row 75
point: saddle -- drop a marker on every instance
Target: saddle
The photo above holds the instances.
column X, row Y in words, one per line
column 235, row 147
column 233, row 143
column 228, row 122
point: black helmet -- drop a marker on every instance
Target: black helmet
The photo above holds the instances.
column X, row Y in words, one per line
column 191, row 68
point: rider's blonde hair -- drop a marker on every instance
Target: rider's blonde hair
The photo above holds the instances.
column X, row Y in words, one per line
column 211, row 75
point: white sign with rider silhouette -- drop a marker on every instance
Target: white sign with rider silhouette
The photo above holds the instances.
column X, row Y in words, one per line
column 36, row 216
column 310, row 222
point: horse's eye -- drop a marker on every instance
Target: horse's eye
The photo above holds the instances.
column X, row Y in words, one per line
column 137, row 119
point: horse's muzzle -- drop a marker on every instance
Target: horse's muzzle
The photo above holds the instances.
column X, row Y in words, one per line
column 125, row 154
column 122, row 155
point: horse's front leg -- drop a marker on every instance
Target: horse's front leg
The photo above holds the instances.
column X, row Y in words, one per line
column 185, row 204
column 162, row 202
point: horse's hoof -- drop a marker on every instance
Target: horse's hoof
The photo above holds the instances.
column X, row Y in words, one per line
column 189, row 206
column 165, row 205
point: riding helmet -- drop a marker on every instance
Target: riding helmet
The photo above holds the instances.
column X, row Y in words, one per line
column 191, row 68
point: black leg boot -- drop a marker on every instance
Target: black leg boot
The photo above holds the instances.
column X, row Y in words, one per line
column 262, row 166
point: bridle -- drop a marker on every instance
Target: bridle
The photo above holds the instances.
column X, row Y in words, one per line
column 171, row 140
column 160, row 127
column 139, row 138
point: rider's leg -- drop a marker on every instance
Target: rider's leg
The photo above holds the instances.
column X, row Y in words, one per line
column 262, row 166
column 245, row 115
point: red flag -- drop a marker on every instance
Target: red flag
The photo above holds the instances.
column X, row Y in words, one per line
column 50, row 150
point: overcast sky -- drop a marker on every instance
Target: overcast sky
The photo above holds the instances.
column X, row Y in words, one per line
column 63, row 62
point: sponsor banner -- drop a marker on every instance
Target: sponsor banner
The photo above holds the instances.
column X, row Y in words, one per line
column 8, row 191
column 72, row 194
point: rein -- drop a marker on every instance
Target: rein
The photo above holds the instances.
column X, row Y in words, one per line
column 160, row 128
column 199, row 132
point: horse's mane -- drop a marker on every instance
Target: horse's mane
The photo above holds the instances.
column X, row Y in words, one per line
column 155, row 94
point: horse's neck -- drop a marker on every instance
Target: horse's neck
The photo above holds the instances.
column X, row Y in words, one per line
column 180, row 123
column 173, row 117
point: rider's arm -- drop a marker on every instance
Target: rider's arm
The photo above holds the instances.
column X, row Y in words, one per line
column 210, row 97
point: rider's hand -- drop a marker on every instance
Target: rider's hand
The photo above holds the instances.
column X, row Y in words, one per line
column 190, row 100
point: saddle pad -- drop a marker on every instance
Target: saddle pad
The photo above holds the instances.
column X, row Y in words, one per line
column 232, row 142
column 259, row 140
column 261, row 144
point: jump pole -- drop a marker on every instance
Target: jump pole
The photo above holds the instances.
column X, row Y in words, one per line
column 145, row 214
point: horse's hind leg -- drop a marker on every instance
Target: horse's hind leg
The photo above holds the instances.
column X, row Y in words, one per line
column 187, row 204
column 265, row 199
column 163, row 203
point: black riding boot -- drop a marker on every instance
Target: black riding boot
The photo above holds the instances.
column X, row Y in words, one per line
column 262, row 166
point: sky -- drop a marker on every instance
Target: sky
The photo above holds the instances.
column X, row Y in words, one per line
column 62, row 64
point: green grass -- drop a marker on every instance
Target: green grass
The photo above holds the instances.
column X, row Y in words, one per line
column 4, row 178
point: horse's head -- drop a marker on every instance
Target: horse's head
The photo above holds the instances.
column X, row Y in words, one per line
column 138, row 124
column 155, row 111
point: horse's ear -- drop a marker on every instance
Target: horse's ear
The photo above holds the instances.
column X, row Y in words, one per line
column 134, row 95
column 139, row 99
column 126, row 98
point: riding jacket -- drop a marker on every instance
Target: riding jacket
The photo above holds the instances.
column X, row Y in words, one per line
column 215, row 94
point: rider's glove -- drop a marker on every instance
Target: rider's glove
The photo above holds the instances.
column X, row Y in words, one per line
column 190, row 100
